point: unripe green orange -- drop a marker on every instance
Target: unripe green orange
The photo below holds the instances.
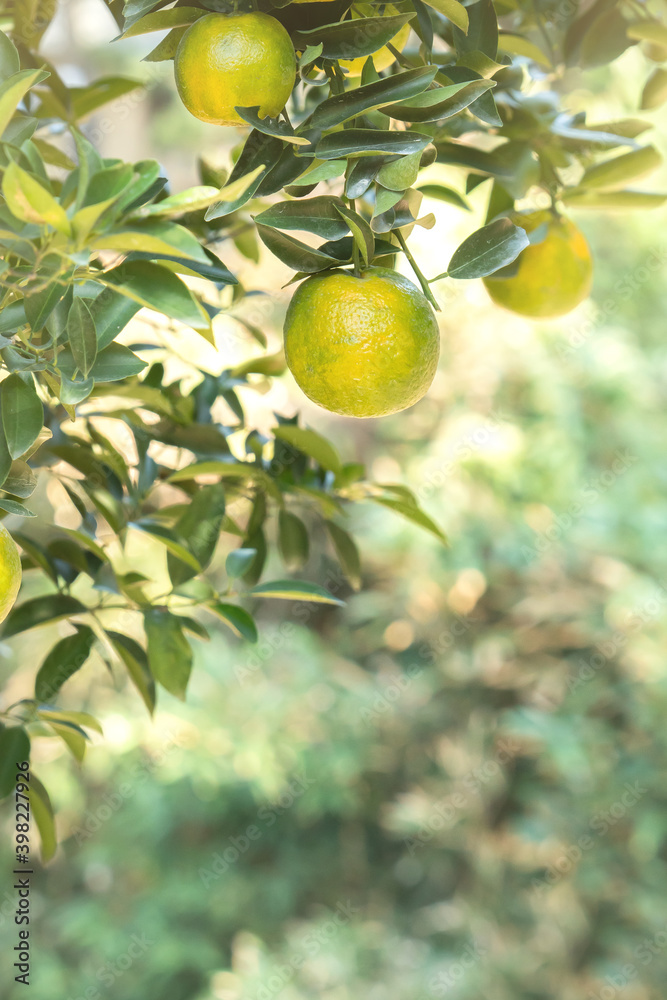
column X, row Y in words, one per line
column 553, row 276
column 362, row 346
column 224, row 61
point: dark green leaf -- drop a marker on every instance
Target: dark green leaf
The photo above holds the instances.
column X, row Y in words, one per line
column 136, row 663
column 347, row 552
column 22, row 414
column 42, row 813
column 40, row 611
column 237, row 619
column 199, row 527
column 292, row 540
column 82, row 336
column 239, row 562
column 295, row 254
column 169, row 652
column 14, row 749
column 487, row 250
column 311, row 443
column 66, row 657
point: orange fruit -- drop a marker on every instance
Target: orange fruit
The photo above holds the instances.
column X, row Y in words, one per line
column 225, row 61
column 362, row 346
column 553, row 276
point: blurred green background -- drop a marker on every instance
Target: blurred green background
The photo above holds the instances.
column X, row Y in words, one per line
column 454, row 786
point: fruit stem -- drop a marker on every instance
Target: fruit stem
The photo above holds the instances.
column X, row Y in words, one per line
column 415, row 267
column 355, row 249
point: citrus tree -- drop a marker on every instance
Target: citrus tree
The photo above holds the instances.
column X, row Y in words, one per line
column 339, row 108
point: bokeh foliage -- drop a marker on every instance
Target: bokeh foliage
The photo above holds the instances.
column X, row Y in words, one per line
column 89, row 241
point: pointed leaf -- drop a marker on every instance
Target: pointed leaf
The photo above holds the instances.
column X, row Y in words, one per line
column 22, row 414
column 295, row 590
column 169, row 652
column 66, row 657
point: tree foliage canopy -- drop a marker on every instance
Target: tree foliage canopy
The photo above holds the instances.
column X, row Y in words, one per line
column 87, row 242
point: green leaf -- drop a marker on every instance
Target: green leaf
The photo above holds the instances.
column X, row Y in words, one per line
column 9, row 58
column 361, row 232
column 167, row 47
column 445, row 102
column 169, row 652
column 66, row 657
column 413, row 513
column 482, row 32
column 14, row 89
column 111, row 313
column 192, row 200
column 520, row 46
column 292, row 540
column 177, row 17
column 616, row 172
column 85, row 100
column 295, row 254
column 153, row 238
column 234, row 194
column 136, row 663
column 22, row 414
column 343, row 107
column 324, row 170
column 347, row 552
column 453, row 10
column 82, row 336
column 648, row 31
column 654, row 93
column 490, row 248
column 294, row 590
column 313, row 215
column 237, row 619
column 82, row 719
column 354, row 38
column 310, row 443
column 42, row 813
column 369, row 142
column 157, row 288
column 169, row 540
column 280, row 130
column 114, row 363
column 200, row 527
column 442, row 193
column 12, row 507
column 72, row 736
column 40, row 611
column 21, row 480
column 239, row 562
column 31, row 202
column 14, row 749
